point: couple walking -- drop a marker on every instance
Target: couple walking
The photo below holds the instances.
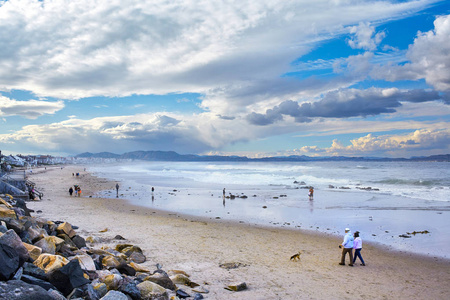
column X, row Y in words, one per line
column 351, row 242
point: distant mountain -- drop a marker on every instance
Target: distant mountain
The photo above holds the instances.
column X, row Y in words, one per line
column 173, row 156
column 98, row 155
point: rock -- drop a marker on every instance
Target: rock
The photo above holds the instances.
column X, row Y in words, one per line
column 50, row 263
column 68, row 277
column 11, row 239
column 131, row 290
column 126, row 269
column 139, row 268
column 19, row 290
column 114, row 295
column 405, row 236
column 66, row 228
column 111, row 261
column 150, row 290
column 50, row 244
column 9, row 262
column 162, row 280
column 36, row 281
column 86, row 262
column 7, row 213
column 36, row 234
column 200, row 289
column 237, row 287
column 182, row 294
column 79, row 241
column 3, row 229
column 94, row 239
column 137, row 257
column 119, row 237
column 112, row 281
column 33, row 270
column 14, row 224
column 198, row 296
column 101, row 289
column 56, row 295
column 33, row 251
column 182, row 279
column 174, row 272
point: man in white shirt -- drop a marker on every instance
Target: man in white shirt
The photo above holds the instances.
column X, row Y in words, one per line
column 347, row 246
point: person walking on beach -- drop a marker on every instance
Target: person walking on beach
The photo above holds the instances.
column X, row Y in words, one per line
column 311, row 193
column 357, row 245
column 347, row 246
column 117, row 190
column 70, row 191
column 79, row 192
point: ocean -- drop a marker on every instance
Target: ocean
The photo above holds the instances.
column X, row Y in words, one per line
column 386, row 201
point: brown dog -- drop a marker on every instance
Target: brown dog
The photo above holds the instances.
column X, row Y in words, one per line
column 296, row 256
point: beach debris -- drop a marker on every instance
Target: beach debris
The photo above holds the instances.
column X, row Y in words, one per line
column 404, row 236
column 104, row 230
column 264, row 206
column 236, row 287
column 331, row 186
column 296, row 256
column 367, row 188
column 419, row 232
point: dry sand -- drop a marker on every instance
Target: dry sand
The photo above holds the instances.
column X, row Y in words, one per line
column 199, row 246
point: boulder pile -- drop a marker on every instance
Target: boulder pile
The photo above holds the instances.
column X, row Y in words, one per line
column 42, row 259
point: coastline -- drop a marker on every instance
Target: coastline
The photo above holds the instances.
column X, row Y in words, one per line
column 199, row 245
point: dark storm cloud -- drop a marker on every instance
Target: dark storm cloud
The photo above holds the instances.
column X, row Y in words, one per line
column 344, row 104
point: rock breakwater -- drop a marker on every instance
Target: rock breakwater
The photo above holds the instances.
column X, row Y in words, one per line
column 44, row 259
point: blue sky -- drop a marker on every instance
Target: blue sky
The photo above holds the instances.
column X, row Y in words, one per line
column 318, row 78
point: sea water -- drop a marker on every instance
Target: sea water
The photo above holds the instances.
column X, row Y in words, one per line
column 382, row 200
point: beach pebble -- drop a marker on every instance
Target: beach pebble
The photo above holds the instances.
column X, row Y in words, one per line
column 237, row 287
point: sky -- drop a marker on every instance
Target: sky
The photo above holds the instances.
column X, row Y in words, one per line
column 250, row 78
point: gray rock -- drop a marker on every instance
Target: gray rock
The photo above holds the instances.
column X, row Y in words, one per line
column 114, row 295
column 19, row 290
column 11, row 239
column 9, row 262
column 36, row 281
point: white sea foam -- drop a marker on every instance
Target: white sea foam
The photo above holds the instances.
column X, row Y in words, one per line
column 403, row 196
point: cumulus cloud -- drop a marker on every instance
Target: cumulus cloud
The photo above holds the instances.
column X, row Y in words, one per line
column 30, row 109
column 418, row 142
column 364, row 37
column 344, row 104
column 428, row 56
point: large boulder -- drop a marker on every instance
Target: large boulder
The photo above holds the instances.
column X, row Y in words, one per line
column 6, row 212
column 86, row 262
column 66, row 228
column 9, row 262
column 50, row 263
column 150, row 290
column 11, row 238
column 68, row 277
column 79, row 241
column 19, row 290
column 33, row 251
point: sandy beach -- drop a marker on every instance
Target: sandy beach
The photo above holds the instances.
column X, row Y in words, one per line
column 198, row 246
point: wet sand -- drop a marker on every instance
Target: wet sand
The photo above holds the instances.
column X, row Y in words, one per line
column 198, row 246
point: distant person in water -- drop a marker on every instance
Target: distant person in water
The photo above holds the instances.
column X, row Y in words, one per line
column 357, row 245
column 117, row 190
column 311, row 193
column 153, row 189
column 224, row 192
column 70, row 191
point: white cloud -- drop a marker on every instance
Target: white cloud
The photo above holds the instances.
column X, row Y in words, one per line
column 365, row 37
column 30, row 109
column 428, row 56
column 80, row 48
column 419, row 142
